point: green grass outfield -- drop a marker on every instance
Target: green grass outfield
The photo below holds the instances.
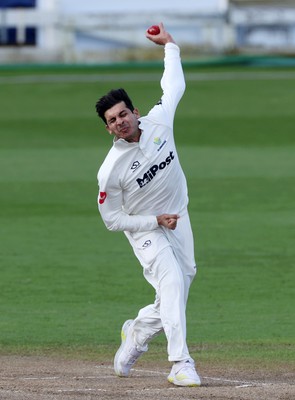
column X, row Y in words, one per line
column 67, row 284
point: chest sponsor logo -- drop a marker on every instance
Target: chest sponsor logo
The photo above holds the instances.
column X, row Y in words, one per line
column 102, row 197
column 151, row 173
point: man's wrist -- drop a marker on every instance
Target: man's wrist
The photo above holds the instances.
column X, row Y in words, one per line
column 169, row 39
column 171, row 45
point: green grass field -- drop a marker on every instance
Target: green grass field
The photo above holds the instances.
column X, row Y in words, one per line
column 67, row 284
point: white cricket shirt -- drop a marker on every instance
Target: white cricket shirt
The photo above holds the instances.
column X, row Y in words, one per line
column 139, row 181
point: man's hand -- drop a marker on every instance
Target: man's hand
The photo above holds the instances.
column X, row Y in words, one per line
column 162, row 38
column 168, row 220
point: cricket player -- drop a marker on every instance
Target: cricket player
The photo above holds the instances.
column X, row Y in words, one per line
column 143, row 192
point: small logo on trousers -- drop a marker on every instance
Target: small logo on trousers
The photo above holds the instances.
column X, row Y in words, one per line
column 147, row 243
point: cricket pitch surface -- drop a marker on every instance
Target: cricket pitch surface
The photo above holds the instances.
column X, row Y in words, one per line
column 49, row 378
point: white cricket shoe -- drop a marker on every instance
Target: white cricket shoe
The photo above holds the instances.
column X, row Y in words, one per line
column 128, row 353
column 183, row 373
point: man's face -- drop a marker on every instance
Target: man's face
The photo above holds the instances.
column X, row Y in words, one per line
column 122, row 122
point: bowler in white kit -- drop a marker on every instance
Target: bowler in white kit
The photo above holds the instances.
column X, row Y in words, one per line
column 143, row 192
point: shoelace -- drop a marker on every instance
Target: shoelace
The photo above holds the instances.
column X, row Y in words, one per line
column 187, row 367
column 133, row 356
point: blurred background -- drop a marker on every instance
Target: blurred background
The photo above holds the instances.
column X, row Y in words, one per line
column 235, row 137
column 91, row 31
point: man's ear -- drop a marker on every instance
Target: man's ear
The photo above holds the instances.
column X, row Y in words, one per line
column 136, row 112
column 109, row 130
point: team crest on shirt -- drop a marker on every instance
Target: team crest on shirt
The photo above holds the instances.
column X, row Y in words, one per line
column 159, row 143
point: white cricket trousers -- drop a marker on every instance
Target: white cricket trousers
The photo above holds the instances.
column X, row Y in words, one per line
column 169, row 265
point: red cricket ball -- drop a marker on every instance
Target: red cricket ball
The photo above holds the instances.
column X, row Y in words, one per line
column 153, row 30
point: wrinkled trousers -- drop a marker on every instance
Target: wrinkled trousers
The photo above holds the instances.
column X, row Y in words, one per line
column 167, row 258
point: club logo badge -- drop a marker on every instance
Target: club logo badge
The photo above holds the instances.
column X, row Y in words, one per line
column 157, row 141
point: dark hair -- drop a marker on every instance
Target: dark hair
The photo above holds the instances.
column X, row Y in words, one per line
column 112, row 98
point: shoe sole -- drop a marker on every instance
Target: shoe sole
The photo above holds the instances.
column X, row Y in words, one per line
column 124, row 332
column 183, row 383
